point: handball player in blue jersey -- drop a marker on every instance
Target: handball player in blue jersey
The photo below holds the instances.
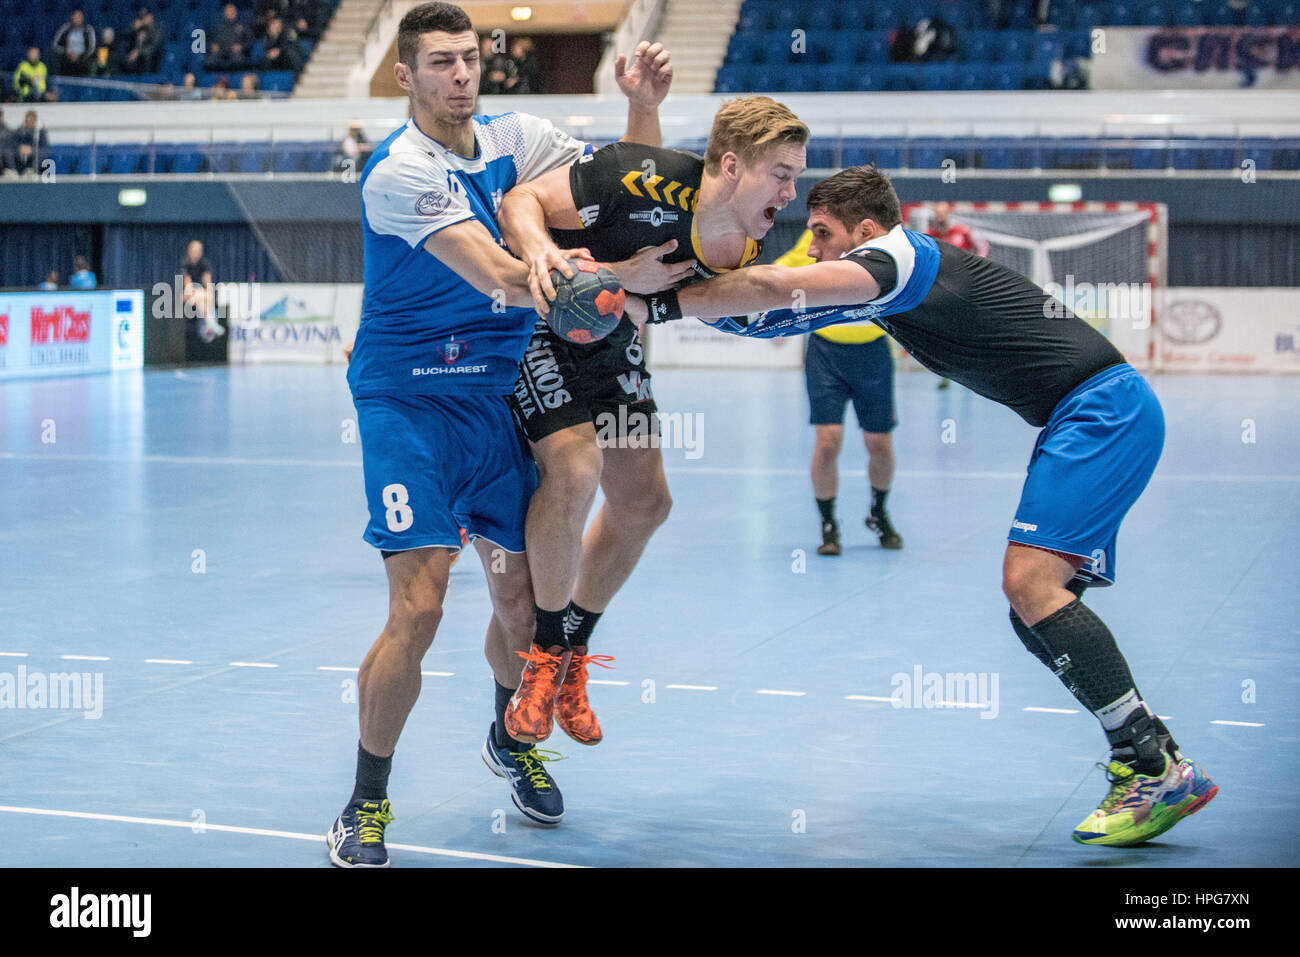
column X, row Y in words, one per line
column 446, row 317
column 994, row 331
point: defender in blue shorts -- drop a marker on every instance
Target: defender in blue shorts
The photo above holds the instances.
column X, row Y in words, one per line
column 1001, row 336
column 445, row 320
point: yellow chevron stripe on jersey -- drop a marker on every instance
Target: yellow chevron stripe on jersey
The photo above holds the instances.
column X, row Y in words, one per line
column 649, row 183
column 628, row 182
column 669, row 190
column 849, row 332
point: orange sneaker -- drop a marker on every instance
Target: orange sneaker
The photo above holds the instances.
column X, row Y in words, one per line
column 572, row 709
column 528, row 716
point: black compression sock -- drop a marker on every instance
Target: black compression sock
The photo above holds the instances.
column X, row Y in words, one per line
column 827, row 507
column 878, row 497
column 550, row 630
column 579, row 624
column 1084, row 655
column 372, row 776
column 503, row 740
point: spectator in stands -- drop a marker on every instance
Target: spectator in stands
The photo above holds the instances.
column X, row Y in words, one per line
column 353, row 152
column 73, row 46
column 82, row 277
column 497, row 72
column 197, row 292
column 146, row 46
column 307, row 17
column 31, row 144
column 282, row 51
column 221, row 90
column 932, row 40
column 189, row 89
column 106, row 62
column 248, row 87
column 265, row 11
column 6, row 146
column 51, row 283
column 526, row 66
column 231, row 41
column 29, row 78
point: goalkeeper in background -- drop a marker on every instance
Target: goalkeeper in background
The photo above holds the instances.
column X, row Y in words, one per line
column 847, row 361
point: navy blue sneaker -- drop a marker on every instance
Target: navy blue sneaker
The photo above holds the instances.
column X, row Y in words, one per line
column 534, row 792
column 357, row 837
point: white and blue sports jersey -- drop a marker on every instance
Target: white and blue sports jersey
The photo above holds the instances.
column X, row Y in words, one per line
column 916, row 259
column 424, row 329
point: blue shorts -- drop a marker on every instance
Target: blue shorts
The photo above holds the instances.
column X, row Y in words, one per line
column 1091, row 462
column 836, row 372
column 436, row 464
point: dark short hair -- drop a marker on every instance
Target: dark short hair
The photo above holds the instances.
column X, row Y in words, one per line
column 427, row 18
column 858, row 193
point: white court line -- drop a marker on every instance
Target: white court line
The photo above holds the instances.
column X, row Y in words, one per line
column 84, row 657
column 252, row 664
column 1239, row 724
column 168, row 661
column 1054, row 710
column 263, row 832
column 790, row 694
column 693, row 687
column 13, row 654
column 335, row 668
column 438, row 674
column 597, row 681
column 866, row 697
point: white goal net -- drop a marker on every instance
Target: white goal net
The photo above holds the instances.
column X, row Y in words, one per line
column 1105, row 261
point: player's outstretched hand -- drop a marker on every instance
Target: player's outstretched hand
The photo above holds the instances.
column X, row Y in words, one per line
column 646, row 80
column 539, row 273
column 645, row 273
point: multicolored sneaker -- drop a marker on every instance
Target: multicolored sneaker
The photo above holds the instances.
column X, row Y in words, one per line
column 529, row 714
column 534, row 791
column 830, row 539
column 1203, row 789
column 879, row 523
column 572, row 709
column 1138, row 806
column 357, row 837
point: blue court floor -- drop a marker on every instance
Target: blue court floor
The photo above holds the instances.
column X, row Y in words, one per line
column 194, row 540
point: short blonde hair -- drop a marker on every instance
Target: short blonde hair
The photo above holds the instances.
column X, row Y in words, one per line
column 747, row 125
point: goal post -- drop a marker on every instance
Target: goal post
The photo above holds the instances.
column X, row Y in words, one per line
column 1106, row 261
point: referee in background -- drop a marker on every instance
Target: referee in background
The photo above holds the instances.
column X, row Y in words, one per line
column 848, row 361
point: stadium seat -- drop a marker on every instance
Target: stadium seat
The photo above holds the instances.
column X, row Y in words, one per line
column 836, row 77
column 794, row 78
column 873, row 47
column 902, row 77
column 886, row 15
column 731, row 79
column 825, row 46
column 937, row 76
column 976, row 46
column 742, row 49
column 1011, row 47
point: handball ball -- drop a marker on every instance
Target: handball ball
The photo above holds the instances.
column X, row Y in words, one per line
column 587, row 307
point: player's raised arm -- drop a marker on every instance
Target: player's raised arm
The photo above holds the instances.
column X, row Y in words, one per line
column 645, row 83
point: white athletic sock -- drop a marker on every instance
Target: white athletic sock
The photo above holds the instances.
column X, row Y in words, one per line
column 1114, row 715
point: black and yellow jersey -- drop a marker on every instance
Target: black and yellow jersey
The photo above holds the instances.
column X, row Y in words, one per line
column 630, row 196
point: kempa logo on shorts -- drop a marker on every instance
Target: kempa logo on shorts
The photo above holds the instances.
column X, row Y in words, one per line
column 655, row 217
column 1024, row 526
column 589, row 214
column 75, row 909
column 35, row 690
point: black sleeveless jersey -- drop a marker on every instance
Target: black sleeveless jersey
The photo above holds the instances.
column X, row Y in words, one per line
column 630, row 196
